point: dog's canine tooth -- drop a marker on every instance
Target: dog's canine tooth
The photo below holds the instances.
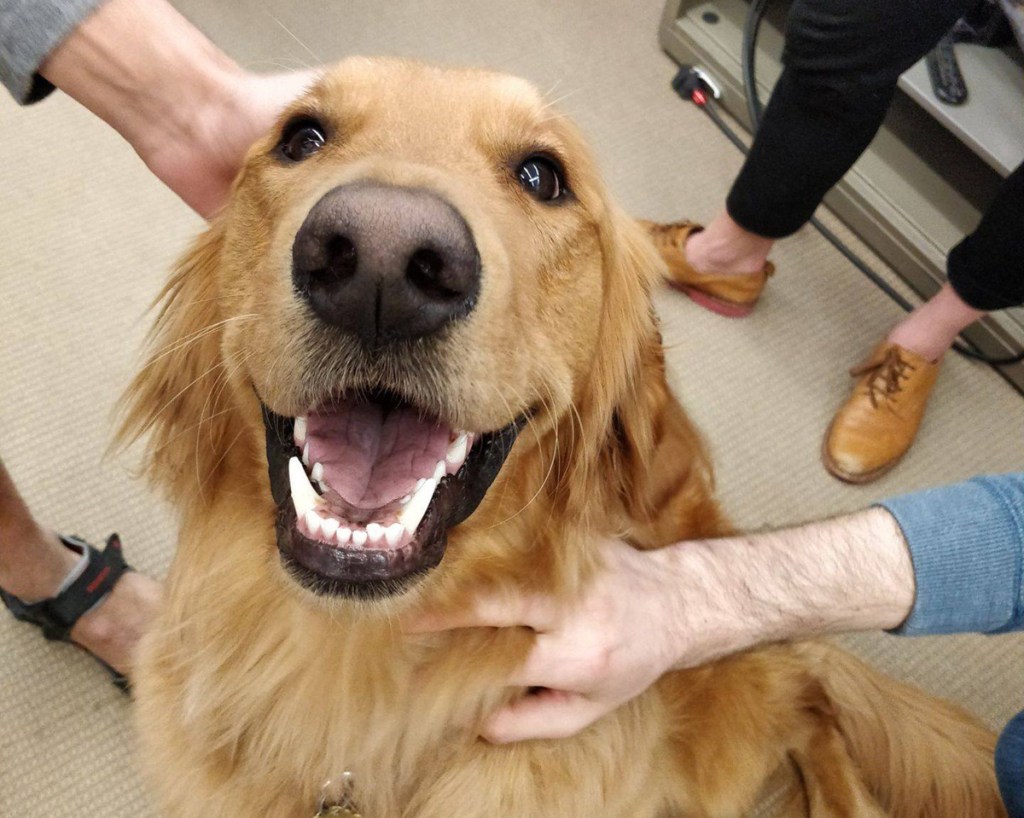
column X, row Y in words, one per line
column 304, row 497
column 300, row 431
column 375, row 533
column 412, row 514
column 330, row 527
column 457, row 450
column 358, row 537
column 344, row 535
column 394, row 533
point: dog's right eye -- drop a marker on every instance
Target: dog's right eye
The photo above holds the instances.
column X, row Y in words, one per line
column 301, row 138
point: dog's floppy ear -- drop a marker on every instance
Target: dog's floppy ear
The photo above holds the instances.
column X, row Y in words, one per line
column 633, row 432
column 180, row 399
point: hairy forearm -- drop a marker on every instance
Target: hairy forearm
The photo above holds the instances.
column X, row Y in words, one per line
column 845, row 574
column 144, row 69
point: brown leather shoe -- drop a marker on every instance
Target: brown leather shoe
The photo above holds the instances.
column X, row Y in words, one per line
column 876, row 426
column 733, row 296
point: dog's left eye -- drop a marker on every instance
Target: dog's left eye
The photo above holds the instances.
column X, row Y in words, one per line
column 301, row 138
column 542, row 178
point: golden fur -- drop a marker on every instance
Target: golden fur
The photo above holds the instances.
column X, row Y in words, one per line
column 252, row 691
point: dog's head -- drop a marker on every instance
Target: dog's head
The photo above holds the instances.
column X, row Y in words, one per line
column 415, row 265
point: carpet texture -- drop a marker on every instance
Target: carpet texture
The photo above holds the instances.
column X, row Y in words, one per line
column 87, row 236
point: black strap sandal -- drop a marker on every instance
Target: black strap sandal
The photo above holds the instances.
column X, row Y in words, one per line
column 57, row 616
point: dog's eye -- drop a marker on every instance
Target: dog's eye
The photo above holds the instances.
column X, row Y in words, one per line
column 542, row 178
column 301, row 139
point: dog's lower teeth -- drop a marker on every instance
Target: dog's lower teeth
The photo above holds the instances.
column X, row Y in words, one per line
column 313, row 523
column 304, row 497
column 394, row 534
column 311, row 508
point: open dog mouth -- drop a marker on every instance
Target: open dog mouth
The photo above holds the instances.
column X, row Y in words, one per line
column 367, row 488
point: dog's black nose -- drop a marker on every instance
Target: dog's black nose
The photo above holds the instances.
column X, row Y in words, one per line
column 386, row 263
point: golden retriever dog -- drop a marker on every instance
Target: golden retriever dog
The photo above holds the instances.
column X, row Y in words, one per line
column 415, row 357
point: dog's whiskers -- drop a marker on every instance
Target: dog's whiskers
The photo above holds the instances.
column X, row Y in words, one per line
column 317, row 60
column 195, row 337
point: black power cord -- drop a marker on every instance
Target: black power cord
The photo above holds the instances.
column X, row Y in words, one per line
column 694, row 85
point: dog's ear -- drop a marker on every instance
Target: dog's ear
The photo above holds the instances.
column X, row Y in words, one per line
column 636, row 441
column 180, row 400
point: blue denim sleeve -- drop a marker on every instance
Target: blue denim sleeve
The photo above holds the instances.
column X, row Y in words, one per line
column 29, row 31
column 967, row 545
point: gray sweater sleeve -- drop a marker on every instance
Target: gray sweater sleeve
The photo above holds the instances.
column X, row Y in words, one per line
column 29, row 31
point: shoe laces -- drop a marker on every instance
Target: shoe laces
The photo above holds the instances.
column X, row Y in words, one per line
column 886, row 375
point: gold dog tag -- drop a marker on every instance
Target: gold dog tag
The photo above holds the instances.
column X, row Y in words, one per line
column 345, row 808
column 337, row 811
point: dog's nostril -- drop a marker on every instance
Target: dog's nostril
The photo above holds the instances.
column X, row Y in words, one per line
column 425, row 271
column 340, row 260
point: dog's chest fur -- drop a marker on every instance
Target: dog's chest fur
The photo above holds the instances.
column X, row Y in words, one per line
column 262, row 697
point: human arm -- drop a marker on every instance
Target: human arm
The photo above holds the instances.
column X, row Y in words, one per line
column 649, row 612
column 186, row 108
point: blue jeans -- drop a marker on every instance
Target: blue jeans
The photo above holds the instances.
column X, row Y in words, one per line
column 1010, row 766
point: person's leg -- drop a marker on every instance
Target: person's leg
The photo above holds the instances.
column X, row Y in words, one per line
column 1010, row 766
column 877, row 424
column 34, row 563
column 842, row 61
column 985, row 270
column 930, row 330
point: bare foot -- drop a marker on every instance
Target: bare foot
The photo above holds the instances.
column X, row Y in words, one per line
column 931, row 329
column 112, row 630
column 724, row 248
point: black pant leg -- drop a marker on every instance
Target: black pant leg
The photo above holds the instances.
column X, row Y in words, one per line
column 986, row 269
column 842, row 60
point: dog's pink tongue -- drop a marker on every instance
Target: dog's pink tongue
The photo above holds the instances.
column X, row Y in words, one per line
column 373, row 455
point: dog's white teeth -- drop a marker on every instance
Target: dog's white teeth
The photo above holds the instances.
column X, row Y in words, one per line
column 305, row 455
column 344, row 535
column 314, row 522
column 304, row 497
column 412, row 514
column 358, row 538
column 300, row 431
column 440, row 470
column 394, row 533
column 420, row 482
column 405, row 499
column 330, row 527
column 374, row 533
column 456, row 455
column 317, row 472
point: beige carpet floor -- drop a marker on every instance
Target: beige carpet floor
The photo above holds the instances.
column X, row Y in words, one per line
column 86, row 236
